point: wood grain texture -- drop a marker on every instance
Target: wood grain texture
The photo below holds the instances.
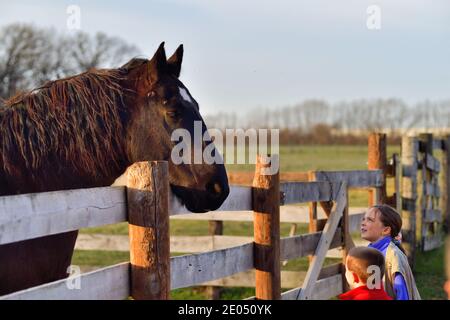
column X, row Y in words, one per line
column 110, row 283
column 377, row 159
column 305, row 244
column 301, row 192
column 193, row 269
column 29, row 216
column 215, row 228
column 266, row 226
column 288, row 214
column 324, row 289
column 353, row 178
column 324, row 243
column 147, row 194
column 409, row 158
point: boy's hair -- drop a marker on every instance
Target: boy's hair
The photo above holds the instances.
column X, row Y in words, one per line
column 360, row 258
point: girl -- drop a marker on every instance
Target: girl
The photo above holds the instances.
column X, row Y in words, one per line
column 381, row 225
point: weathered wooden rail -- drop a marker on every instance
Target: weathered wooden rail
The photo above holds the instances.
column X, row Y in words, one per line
column 195, row 244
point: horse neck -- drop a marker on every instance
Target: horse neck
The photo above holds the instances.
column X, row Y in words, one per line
column 53, row 179
column 54, row 174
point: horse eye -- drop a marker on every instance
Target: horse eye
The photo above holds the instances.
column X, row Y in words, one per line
column 173, row 114
column 151, row 94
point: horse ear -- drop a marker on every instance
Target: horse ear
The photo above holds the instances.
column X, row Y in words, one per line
column 174, row 62
column 158, row 64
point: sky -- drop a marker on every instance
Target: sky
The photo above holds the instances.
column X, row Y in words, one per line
column 242, row 55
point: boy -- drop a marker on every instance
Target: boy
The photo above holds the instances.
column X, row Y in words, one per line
column 364, row 272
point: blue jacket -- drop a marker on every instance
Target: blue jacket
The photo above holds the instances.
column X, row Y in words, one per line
column 400, row 288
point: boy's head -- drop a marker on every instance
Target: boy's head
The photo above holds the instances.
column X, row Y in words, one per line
column 362, row 263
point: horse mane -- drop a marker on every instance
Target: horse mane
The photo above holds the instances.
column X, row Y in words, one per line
column 78, row 120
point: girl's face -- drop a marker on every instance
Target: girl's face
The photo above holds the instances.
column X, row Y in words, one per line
column 372, row 229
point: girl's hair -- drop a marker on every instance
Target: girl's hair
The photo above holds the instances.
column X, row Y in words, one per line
column 389, row 217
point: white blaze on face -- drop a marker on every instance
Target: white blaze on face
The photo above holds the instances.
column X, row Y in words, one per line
column 185, row 95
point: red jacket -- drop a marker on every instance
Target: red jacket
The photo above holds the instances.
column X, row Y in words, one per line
column 364, row 293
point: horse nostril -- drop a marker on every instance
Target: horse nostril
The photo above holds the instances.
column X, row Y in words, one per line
column 215, row 188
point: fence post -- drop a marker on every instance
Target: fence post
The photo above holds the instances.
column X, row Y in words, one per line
column 397, row 173
column 426, row 148
column 446, row 184
column 409, row 155
column 148, row 216
column 215, row 229
column 377, row 159
column 266, row 207
column 312, row 207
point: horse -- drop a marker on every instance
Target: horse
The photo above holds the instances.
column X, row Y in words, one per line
column 84, row 131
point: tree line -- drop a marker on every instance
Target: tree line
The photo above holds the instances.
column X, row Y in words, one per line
column 318, row 121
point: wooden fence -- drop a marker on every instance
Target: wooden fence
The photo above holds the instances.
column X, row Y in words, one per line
column 151, row 274
column 431, row 214
column 146, row 203
column 293, row 214
column 425, row 214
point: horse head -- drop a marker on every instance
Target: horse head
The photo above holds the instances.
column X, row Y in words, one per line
column 160, row 104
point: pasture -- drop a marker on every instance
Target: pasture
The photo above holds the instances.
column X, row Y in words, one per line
column 429, row 267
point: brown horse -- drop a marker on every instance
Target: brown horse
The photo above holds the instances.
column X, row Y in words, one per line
column 83, row 132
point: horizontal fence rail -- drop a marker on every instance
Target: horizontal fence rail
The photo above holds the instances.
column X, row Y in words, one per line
column 110, row 283
column 324, row 289
column 288, row 214
column 29, row 216
column 34, row 215
column 289, row 279
column 305, row 244
column 353, row 178
column 301, row 192
column 193, row 269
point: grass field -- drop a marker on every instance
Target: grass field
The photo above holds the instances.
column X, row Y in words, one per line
column 429, row 269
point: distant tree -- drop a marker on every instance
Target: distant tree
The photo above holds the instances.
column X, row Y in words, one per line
column 99, row 50
column 309, row 113
column 30, row 56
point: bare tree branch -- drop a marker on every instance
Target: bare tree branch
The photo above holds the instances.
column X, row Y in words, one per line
column 30, row 56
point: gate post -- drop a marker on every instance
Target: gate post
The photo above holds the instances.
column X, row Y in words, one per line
column 410, row 149
column 377, row 159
